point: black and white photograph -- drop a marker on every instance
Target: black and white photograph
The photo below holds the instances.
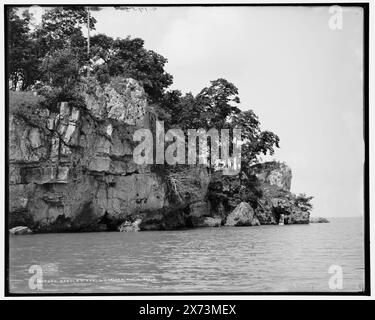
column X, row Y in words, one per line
column 171, row 149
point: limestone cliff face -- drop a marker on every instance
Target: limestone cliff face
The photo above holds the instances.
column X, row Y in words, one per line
column 73, row 170
column 269, row 195
column 275, row 182
column 274, row 173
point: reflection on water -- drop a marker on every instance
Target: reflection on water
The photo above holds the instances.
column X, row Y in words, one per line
column 248, row 259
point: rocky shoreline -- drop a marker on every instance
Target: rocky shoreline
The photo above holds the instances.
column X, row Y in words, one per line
column 71, row 170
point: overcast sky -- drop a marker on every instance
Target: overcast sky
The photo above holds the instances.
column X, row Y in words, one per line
column 302, row 79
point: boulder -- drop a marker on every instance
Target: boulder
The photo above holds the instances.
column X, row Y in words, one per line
column 242, row 215
column 20, row 230
column 128, row 226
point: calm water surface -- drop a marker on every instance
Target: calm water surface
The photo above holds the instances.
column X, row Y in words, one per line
column 243, row 259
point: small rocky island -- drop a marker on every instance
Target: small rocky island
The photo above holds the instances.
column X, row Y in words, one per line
column 318, row 220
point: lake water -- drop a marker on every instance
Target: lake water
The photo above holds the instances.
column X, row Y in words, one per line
column 290, row 258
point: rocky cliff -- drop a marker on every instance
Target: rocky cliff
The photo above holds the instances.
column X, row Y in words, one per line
column 266, row 186
column 72, row 169
column 275, row 181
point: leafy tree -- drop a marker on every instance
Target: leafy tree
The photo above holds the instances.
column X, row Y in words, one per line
column 218, row 101
column 56, row 51
column 254, row 141
column 211, row 108
column 61, row 27
column 102, row 46
column 61, row 69
column 217, row 106
column 187, row 113
column 23, row 60
column 168, row 106
column 61, row 74
column 128, row 58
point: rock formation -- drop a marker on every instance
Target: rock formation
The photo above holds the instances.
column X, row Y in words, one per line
column 243, row 215
column 266, row 186
column 275, row 182
column 20, row 230
column 128, row 226
column 318, row 220
column 274, row 173
column 72, row 169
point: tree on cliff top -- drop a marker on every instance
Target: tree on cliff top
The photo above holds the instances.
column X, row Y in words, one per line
column 217, row 106
column 55, row 52
column 128, row 58
column 210, row 108
column 23, row 60
column 61, row 28
column 60, row 69
column 255, row 141
column 219, row 101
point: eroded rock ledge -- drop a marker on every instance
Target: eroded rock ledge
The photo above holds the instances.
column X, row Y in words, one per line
column 72, row 170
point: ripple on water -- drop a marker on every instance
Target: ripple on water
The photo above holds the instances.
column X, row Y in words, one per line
column 249, row 259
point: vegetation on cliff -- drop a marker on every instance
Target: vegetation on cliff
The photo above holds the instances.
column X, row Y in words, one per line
column 110, row 90
column 52, row 59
